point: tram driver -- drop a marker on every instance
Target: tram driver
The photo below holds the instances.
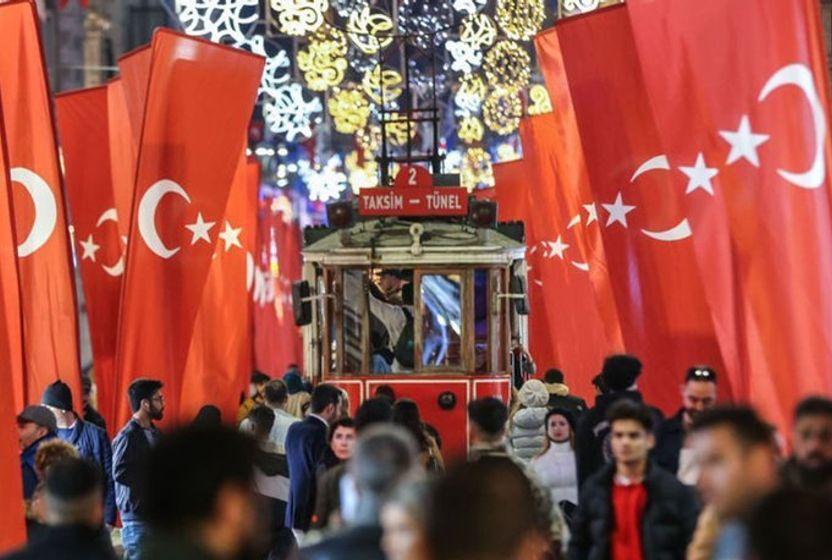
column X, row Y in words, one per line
column 391, row 321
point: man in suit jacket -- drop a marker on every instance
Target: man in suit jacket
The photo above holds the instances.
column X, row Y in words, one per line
column 306, row 442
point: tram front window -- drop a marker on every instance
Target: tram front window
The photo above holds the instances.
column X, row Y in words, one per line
column 441, row 313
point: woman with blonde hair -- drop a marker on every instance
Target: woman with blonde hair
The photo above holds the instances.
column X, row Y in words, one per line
column 555, row 465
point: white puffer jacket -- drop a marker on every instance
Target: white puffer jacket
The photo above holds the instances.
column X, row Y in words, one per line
column 527, row 431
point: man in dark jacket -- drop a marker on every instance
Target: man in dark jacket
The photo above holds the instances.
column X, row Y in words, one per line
column 73, row 497
column 90, row 440
column 559, row 396
column 672, row 453
column 632, row 509
column 89, row 412
column 306, row 443
column 131, row 448
column 810, row 467
column 592, row 450
column 35, row 425
column 384, row 455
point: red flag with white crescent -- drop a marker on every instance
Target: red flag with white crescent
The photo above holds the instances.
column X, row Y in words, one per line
column 50, row 322
column 656, row 282
column 82, row 118
column 12, row 517
column 744, row 107
column 200, row 97
column 220, row 356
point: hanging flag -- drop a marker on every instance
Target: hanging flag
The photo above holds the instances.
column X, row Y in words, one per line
column 50, row 323
column 656, row 283
column 82, row 118
column 744, row 107
column 200, row 97
column 122, row 150
column 134, row 68
column 220, row 356
column 12, row 517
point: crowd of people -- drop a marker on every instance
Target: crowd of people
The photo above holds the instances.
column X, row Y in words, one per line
column 546, row 477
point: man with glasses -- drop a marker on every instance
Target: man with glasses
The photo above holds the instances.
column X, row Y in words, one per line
column 810, row 467
column 131, row 448
column 672, row 451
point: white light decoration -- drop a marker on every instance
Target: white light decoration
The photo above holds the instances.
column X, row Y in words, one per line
column 478, row 30
column 426, row 23
column 299, row 17
column 520, row 19
column 346, row 7
column 370, row 31
column 465, row 57
column 224, row 21
column 540, row 102
column 506, row 152
column 361, row 176
column 470, row 94
column 327, row 183
column 580, row 6
column 468, row 6
column 453, row 161
column 507, row 64
column 289, row 113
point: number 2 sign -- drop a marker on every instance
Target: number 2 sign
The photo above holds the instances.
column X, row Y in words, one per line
column 413, row 176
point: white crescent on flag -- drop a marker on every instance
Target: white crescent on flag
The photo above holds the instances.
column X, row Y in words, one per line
column 46, row 210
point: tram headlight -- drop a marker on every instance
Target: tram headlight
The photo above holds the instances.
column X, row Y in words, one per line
column 340, row 215
column 482, row 213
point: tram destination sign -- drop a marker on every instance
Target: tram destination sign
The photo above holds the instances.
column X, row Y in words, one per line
column 437, row 201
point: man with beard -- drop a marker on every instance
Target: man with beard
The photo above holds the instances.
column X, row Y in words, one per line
column 131, row 448
column 810, row 467
column 673, row 452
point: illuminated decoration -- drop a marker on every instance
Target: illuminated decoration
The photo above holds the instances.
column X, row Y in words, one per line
column 347, row 7
column 468, row 6
column 507, row 64
column 289, row 113
column 470, row 130
column 370, row 31
column 478, row 30
column 221, row 22
column 502, row 110
column 397, row 131
column 382, row 85
column 520, row 19
column 321, row 68
column 349, row 110
column 299, row 17
column 465, row 57
column 326, row 183
column 506, row 152
column 369, row 139
column 540, row 100
column 331, row 40
column 470, row 94
column 572, row 7
column 361, row 176
column 475, row 170
column 453, row 161
column 427, row 23
column 282, row 205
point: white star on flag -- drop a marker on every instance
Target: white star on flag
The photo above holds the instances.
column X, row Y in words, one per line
column 700, row 176
column 231, row 236
column 199, row 229
column 618, row 211
column 744, row 143
column 556, row 248
column 592, row 211
column 89, row 247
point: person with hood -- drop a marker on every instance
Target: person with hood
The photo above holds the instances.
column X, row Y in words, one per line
column 620, row 375
column 527, row 426
column 559, row 394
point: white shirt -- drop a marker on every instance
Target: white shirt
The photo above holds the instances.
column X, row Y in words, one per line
column 276, row 487
column 557, row 471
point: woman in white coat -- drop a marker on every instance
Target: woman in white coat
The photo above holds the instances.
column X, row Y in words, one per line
column 555, row 466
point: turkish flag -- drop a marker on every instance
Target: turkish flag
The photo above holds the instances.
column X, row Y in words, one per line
column 656, row 284
column 50, row 322
column 741, row 90
column 134, row 68
column 220, row 357
column 12, row 517
column 123, row 153
column 200, row 97
column 84, row 132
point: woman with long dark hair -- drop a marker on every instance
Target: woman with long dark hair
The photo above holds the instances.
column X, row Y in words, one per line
column 555, row 464
column 406, row 414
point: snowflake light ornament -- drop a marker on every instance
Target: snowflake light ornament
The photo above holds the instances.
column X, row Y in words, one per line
column 224, row 21
column 470, row 94
column 289, row 113
column 465, row 57
column 327, row 183
column 299, row 17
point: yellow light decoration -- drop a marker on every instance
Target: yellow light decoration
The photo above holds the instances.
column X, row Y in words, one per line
column 370, row 31
column 507, row 64
column 470, row 130
column 540, row 100
column 476, row 170
column 330, row 40
column 478, row 31
column 369, row 139
column 397, row 131
column 520, row 19
column 506, row 152
column 361, row 176
column 502, row 110
column 349, row 110
column 471, row 92
column 380, row 81
column 299, row 17
column 321, row 69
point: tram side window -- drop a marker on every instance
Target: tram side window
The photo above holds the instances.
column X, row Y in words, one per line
column 353, row 318
column 441, row 307
column 391, row 320
column 481, row 317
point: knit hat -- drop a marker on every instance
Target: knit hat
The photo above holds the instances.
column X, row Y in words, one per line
column 58, row 395
column 533, row 393
column 620, row 371
column 39, row 415
column 294, row 384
